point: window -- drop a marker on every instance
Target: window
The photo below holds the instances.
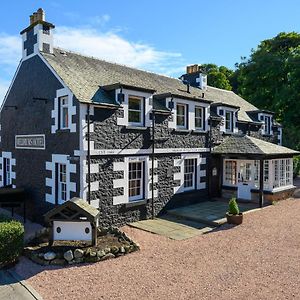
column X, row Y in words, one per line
column 266, row 172
column 135, row 111
column 199, row 118
column 62, row 183
column 283, row 172
column 136, row 180
column 256, row 170
column 189, row 173
column 181, row 117
column 230, row 172
column 228, row 121
column 64, row 113
column 267, row 125
column 288, row 172
column 7, row 173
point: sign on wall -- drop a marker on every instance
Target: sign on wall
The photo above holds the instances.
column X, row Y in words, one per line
column 34, row 141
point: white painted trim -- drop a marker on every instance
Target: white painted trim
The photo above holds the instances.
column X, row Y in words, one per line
column 100, row 152
column 8, row 155
column 235, row 119
column 70, row 168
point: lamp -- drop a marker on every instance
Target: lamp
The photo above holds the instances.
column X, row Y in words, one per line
column 171, row 104
column 121, row 96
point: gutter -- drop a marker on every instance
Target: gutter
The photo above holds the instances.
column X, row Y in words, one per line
column 89, row 154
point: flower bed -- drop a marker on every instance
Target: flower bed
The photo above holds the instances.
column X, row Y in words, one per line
column 111, row 243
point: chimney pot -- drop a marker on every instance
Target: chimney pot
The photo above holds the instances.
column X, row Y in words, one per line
column 31, row 19
column 41, row 14
column 34, row 17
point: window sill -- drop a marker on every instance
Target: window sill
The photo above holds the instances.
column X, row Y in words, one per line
column 129, row 127
column 62, row 130
column 136, row 203
column 182, row 130
column 199, row 131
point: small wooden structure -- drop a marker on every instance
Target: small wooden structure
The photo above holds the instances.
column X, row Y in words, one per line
column 73, row 220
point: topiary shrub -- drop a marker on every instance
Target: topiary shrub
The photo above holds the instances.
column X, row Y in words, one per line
column 11, row 240
column 233, row 207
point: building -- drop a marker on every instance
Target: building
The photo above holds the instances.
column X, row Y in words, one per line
column 131, row 143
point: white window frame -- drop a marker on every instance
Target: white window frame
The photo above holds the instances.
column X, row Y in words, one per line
column 263, row 117
column 268, row 125
column 230, row 112
column 194, row 173
column 62, row 183
column 185, row 114
column 231, row 179
column 233, row 119
column 140, row 196
column 202, row 109
column 7, row 171
column 64, row 105
column 141, row 111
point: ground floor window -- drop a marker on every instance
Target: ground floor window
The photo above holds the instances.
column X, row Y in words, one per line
column 7, row 171
column 283, row 172
column 136, row 180
column 62, row 183
column 189, row 173
column 230, row 172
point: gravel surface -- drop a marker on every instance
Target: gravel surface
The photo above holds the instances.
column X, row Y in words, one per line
column 259, row 259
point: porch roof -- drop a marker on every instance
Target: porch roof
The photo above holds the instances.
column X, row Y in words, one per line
column 245, row 145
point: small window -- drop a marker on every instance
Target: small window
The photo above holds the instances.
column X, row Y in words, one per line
column 266, row 172
column 181, row 117
column 267, row 125
column 199, row 118
column 62, row 183
column 135, row 111
column 136, row 181
column 7, row 172
column 189, row 173
column 64, row 113
column 230, row 172
column 228, row 121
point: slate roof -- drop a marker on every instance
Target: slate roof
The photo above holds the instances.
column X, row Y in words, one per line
column 76, row 204
column 243, row 144
column 84, row 75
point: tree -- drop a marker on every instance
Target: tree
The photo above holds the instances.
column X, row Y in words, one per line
column 270, row 79
column 218, row 76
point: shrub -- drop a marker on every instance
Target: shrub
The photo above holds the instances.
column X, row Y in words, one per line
column 11, row 240
column 296, row 169
column 233, row 207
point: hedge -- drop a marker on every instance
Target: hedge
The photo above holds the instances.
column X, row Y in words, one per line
column 11, row 240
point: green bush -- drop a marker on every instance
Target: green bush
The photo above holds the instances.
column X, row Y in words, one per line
column 296, row 166
column 233, row 207
column 11, row 240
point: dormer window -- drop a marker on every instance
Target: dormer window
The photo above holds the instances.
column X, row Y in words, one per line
column 181, row 116
column 228, row 121
column 267, row 125
column 64, row 113
column 199, row 118
column 135, row 111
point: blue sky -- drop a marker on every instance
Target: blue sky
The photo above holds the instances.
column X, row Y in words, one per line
column 157, row 35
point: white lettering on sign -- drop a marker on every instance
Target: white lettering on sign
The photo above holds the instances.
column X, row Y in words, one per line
column 35, row 141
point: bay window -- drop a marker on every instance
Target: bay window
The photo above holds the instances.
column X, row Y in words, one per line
column 181, row 116
column 283, row 172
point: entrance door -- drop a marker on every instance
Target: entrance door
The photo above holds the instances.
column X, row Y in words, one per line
column 245, row 180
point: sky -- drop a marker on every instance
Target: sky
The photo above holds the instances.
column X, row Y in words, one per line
column 162, row 36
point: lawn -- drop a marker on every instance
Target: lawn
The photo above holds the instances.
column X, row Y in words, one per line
column 259, row 259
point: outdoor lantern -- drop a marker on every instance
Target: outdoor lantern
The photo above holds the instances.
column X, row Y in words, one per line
column 121, row 96
column 171, row 104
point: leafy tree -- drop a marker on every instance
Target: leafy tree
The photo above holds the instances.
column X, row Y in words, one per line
column 270, row 79
column 218, row 76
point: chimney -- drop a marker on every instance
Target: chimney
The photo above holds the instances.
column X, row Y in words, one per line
column 38, row 36
column 195, row 76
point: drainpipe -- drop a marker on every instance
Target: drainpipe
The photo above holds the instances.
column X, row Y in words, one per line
column 152, row 163
column 88, row 154
column 210, row 158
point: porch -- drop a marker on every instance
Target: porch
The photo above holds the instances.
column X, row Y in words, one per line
column 252, row 169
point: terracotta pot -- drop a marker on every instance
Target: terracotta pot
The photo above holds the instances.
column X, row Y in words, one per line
column 234, row 219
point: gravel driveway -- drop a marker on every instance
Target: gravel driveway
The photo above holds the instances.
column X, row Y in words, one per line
column 259, row 259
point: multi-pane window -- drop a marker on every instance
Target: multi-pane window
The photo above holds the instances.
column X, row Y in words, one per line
column 62, row 182
column 283, row 172
column 230, row 172
column 136, row 180
column 288, row 172
column 256, row 170
column 181, row 115
column 266, row 171
column 189, row 173
column 267, row 125
column 135, row 110
column 199, row 118
column 64, row 112
column 7, row 174
column 228, row 120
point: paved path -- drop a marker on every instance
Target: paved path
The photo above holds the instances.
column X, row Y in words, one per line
column 11, row 289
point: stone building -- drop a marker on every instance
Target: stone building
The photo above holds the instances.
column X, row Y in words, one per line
column 131, row 143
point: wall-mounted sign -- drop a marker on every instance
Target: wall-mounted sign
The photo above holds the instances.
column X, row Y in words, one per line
column 214, row 171
column 34, row 141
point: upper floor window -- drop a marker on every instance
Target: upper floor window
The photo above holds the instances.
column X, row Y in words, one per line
column 199, row 118
column 228, row 121
column 267, row 127
column 181, row 117
column 136, row 180
column 135, row 111
column 64, row 113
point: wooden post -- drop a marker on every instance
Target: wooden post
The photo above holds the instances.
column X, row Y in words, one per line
column 94, row 234
column 261, row 182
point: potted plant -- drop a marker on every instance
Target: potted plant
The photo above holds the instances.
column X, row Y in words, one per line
column 234, row 216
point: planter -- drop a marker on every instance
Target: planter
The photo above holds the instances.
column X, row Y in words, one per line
column 234, row 219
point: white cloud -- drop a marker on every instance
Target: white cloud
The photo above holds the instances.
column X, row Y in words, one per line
column 10, row 51
column 3, row 89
